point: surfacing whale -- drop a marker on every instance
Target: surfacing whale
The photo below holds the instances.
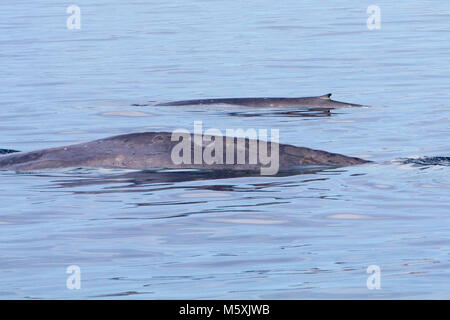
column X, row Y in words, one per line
column 153, row 150
column 321, row 102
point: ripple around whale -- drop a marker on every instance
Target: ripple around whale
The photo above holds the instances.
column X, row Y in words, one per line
column 319, row 102
column 151, row 150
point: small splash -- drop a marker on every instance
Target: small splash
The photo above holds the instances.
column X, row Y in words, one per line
column 250, row 221
column 428, row 161
column 301, row 112
column 351, row 216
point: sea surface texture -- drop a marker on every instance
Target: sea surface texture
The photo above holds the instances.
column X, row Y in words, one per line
column 212, row 235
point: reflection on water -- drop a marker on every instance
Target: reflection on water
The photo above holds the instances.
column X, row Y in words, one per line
column 308, row 113
column 161, row 177
column 429, row 161
column 246, row 111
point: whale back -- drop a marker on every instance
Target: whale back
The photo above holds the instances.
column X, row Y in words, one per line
column 154, row 150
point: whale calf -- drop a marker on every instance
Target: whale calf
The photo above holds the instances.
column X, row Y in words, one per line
column 321, row 102
column 153, row 150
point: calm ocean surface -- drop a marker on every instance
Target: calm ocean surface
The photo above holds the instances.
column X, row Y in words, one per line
column 180, row 235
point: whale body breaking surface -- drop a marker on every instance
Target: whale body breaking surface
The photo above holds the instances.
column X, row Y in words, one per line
column 153, row 150
column 322, row 102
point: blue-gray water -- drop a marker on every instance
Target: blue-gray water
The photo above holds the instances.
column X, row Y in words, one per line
column 183, row 235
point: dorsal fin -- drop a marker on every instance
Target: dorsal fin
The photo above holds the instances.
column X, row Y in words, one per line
column 326, row 96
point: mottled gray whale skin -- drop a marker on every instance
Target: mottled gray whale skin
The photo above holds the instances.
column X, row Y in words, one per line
column 322, row 102
column 152, row 150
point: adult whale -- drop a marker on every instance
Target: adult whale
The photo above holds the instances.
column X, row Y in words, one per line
column 153, row 150
column 321, row 102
